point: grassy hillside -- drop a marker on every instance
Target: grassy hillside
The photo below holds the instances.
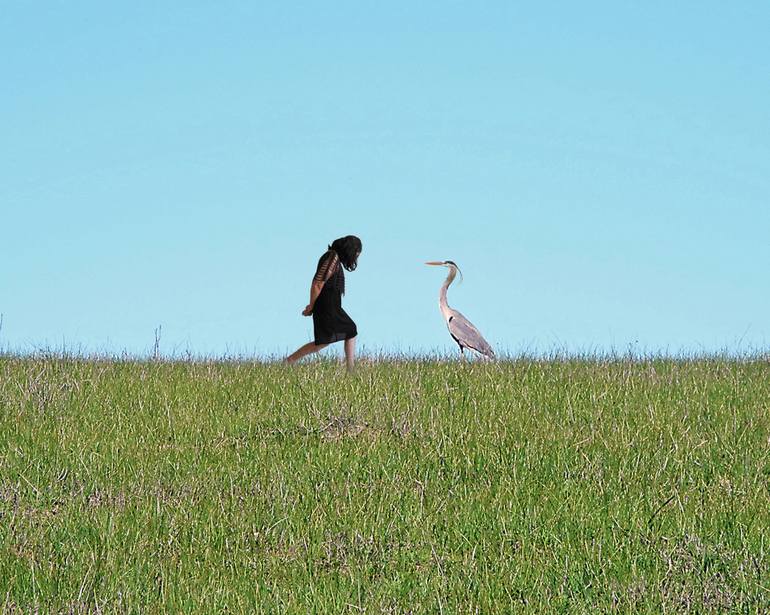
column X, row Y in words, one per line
column 414, row 486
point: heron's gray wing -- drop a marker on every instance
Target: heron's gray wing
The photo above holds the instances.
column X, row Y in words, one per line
column 467, row 335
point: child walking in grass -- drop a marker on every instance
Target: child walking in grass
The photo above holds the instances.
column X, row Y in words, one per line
column 330, row 322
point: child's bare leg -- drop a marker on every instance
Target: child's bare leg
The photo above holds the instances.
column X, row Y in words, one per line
column 350, row 353
column 303, row 351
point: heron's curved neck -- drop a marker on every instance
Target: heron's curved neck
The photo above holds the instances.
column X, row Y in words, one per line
column 442, row 302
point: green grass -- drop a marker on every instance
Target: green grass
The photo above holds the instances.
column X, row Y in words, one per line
column 414, row 486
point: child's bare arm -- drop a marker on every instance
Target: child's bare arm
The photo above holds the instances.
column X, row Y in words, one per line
column 315, row 290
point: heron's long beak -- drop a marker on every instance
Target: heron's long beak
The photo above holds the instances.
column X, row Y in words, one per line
column 439, row 263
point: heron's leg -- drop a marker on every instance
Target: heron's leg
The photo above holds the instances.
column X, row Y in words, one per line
column 303, row 351
column 462, row 354
column 350, row 353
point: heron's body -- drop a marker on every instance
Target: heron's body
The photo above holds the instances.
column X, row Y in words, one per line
column 460, row 328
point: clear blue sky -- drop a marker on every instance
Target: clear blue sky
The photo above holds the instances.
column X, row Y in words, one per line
column 599, row 170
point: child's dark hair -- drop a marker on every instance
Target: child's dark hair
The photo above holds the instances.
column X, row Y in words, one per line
column 347, row 248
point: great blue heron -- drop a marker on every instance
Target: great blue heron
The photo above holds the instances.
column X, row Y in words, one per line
column 460, row 328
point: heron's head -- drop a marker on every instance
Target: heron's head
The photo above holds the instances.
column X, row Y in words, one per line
column 451, row 265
